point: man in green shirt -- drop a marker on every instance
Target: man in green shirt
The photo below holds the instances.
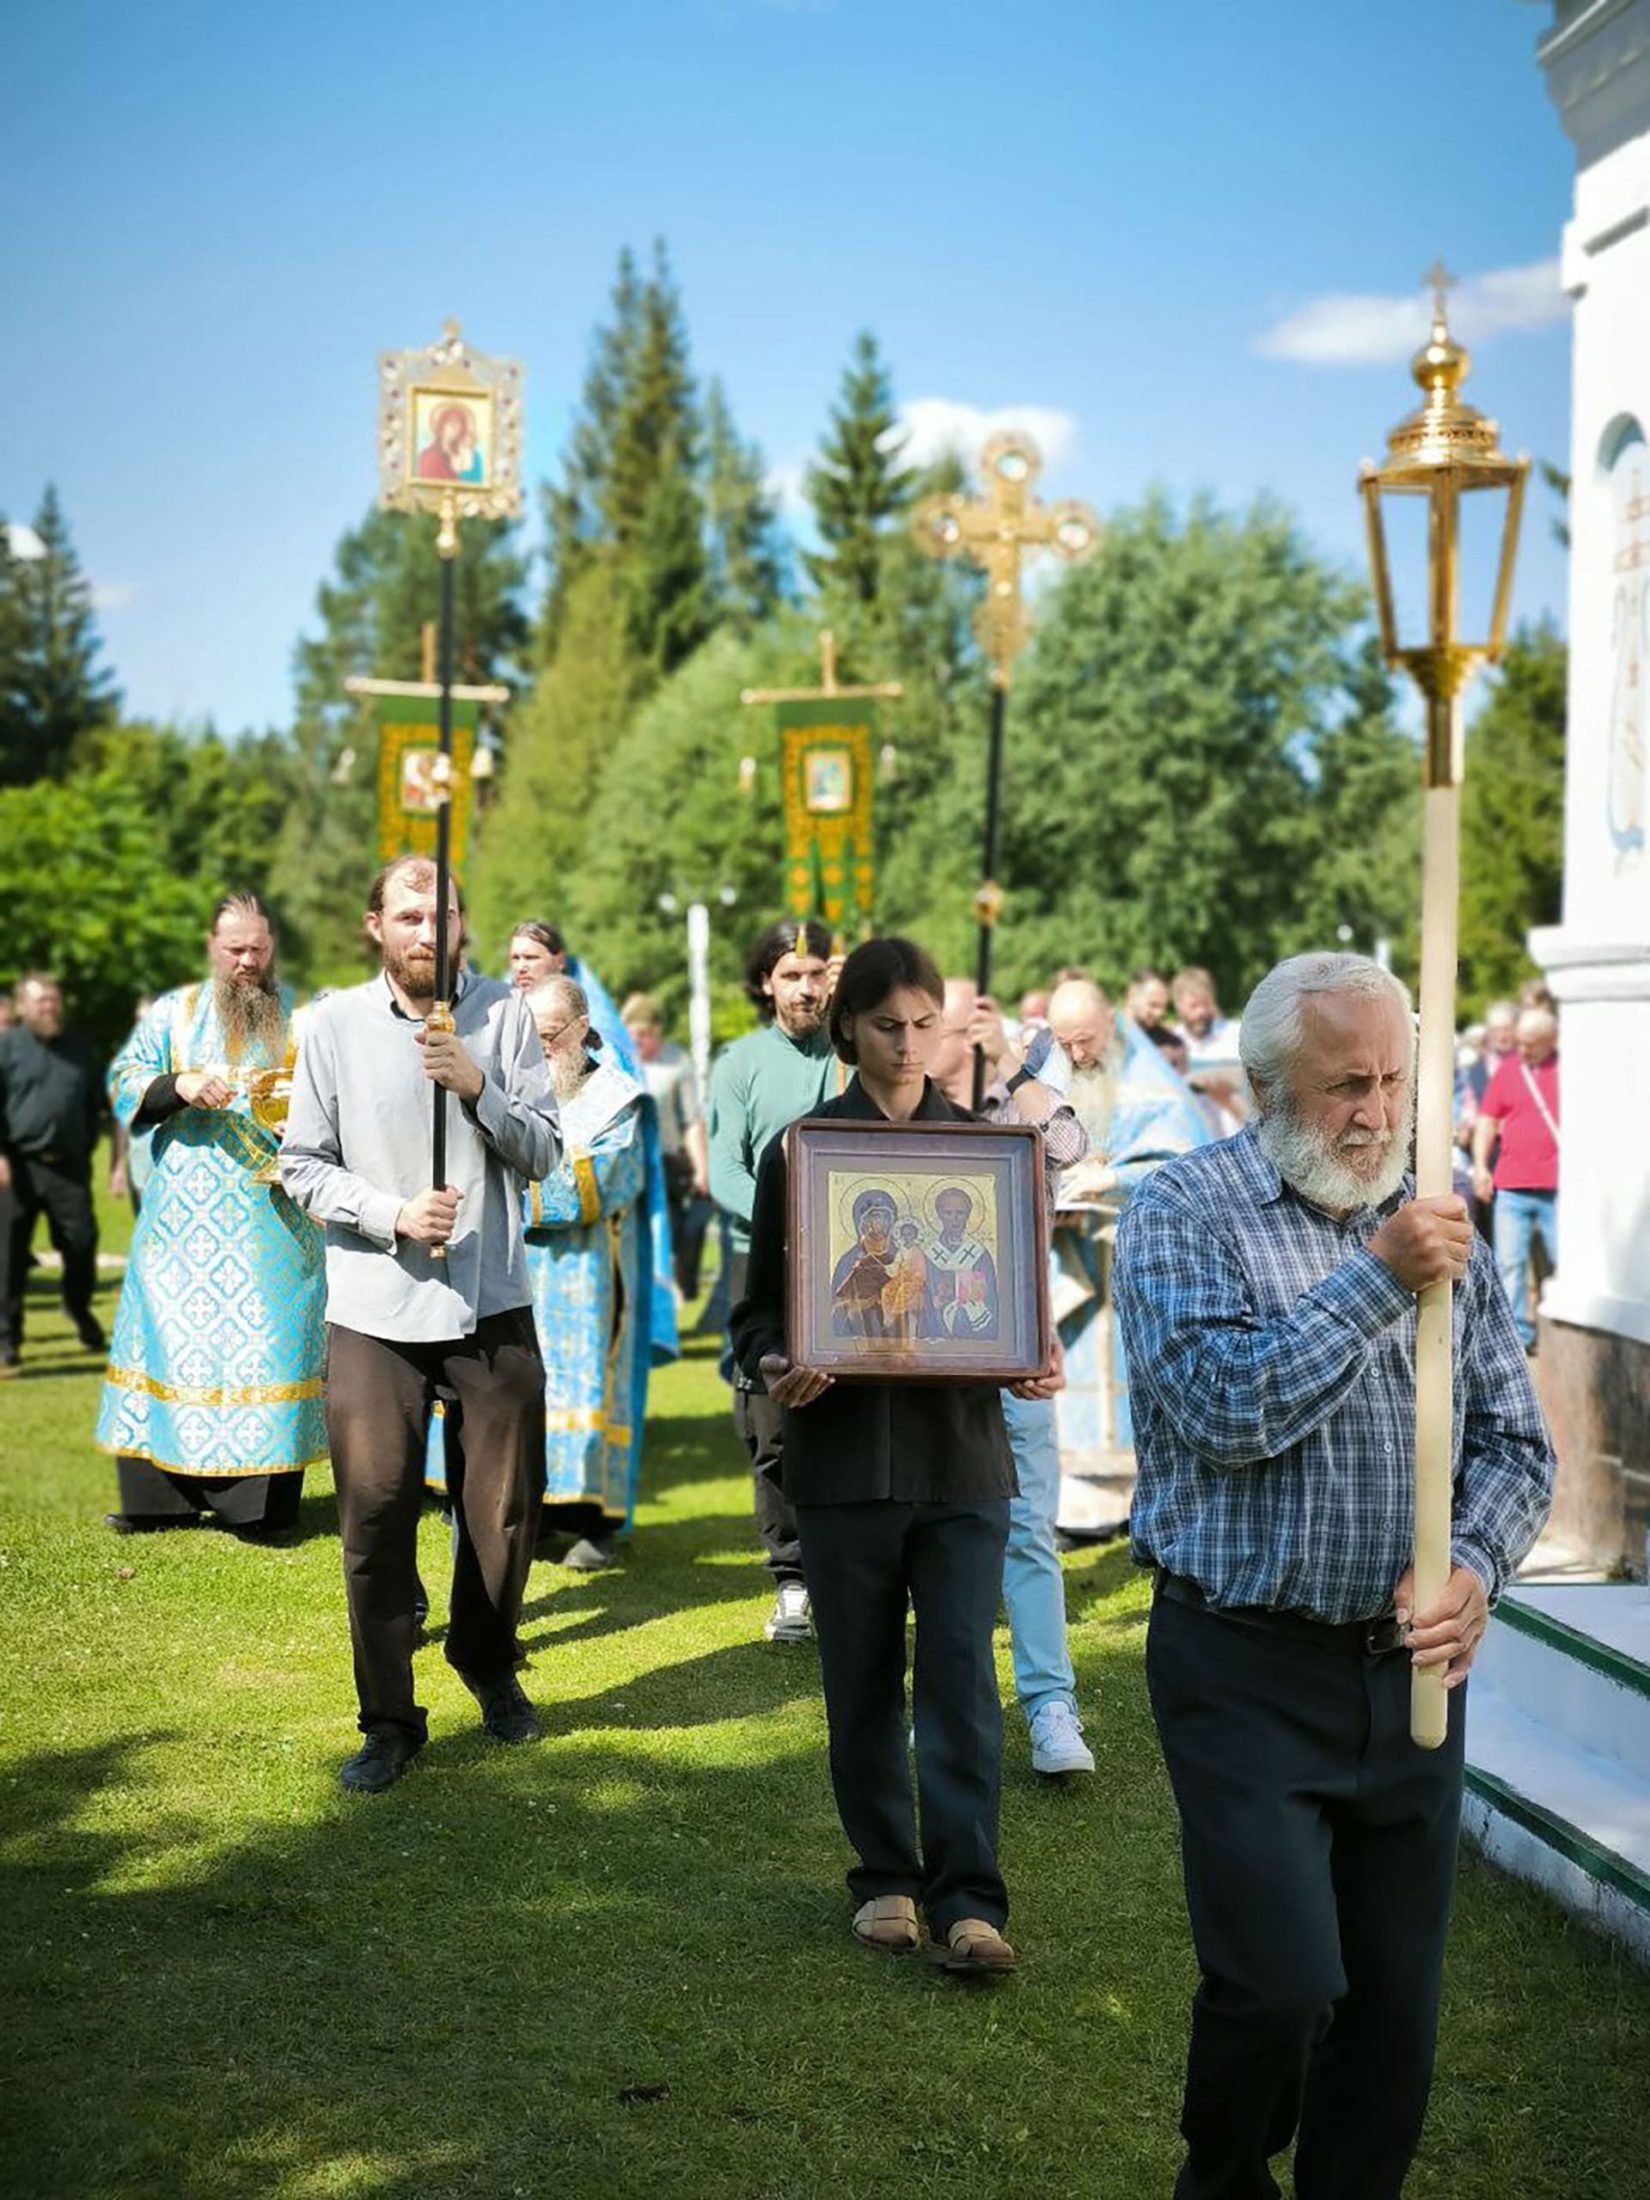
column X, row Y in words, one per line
column 761, row 1083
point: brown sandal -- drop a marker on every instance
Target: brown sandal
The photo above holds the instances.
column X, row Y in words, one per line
column 888, row 1923
column 973, row 1946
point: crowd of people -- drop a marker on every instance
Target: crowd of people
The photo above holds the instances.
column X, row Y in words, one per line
column 298, row 1290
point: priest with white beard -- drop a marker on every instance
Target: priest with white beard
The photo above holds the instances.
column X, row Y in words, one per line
column 1267, row 1292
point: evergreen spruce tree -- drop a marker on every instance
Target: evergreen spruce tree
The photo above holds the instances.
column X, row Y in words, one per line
column 857, row 485
column 747, row 555
column 52, row 688
column 667, row 580
column 656, row 427
column 574, row 514
column 537, row 838
column 15, row 748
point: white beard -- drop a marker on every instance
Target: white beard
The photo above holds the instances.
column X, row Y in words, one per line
column 1310, row 1163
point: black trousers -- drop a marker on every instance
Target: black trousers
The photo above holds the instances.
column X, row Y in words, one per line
column 761, row 1430
column 1319, row 1852
column 379, row 1395
column 866, row 1563
column 689, row 1219
column 63, row 1194
column 155, row 1497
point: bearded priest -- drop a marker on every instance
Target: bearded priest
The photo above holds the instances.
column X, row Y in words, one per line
column 212, row 1398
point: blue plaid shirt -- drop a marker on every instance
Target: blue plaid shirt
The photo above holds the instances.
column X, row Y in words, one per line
column 1272, row 1377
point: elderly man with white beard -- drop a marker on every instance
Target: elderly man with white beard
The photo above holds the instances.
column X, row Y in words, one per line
column 1267, row 1287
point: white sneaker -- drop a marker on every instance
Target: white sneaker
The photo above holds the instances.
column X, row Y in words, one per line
column 792, row 1617
column 1057, row 1743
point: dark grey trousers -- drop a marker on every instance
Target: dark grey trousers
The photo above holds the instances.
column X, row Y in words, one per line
column 761, row 1426
column 1319, row 1851
column 379, row 1396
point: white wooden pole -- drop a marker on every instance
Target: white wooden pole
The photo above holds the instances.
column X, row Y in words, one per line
column 1434, row 1179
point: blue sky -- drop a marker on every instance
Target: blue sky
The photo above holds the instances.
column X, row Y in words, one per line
column 1183, row 241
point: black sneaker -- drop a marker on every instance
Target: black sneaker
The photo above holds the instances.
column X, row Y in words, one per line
column 90, row 1331
column 380, row 1761
column 505, row 1711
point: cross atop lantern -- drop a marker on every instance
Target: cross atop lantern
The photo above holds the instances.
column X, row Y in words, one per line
column 1444, row 451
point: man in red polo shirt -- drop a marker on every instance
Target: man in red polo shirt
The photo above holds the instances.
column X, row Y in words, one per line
column 1521, row 1102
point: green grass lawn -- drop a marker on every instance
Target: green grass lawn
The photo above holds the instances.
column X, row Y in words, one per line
column 615, row 1963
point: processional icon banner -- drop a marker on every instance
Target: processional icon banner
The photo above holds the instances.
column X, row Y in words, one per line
column 412, row 775
column 826, row 749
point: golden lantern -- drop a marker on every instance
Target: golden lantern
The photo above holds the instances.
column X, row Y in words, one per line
column 1445, row 452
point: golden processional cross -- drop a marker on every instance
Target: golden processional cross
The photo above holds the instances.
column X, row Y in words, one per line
column 996, row 531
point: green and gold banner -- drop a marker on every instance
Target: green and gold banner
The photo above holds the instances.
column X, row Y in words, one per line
column 409, row 775
column 825, row 761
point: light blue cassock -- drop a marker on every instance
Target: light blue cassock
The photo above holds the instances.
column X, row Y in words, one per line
column 651, row 1293
column 658, row 1279
column 215, row 1366
column 1155, row 1116
column 586, row 1266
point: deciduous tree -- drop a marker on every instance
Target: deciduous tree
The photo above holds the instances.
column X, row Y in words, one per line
column 1512, row 815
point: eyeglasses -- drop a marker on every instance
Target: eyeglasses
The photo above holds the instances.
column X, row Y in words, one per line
column 548, row 1038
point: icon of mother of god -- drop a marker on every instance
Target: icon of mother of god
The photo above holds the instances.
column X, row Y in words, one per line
column 453, row 452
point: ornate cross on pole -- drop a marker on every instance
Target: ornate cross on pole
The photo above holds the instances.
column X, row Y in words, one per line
column 829, row 687
column 995, row 532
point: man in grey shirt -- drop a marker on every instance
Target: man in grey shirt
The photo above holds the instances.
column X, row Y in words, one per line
column 406, row 1323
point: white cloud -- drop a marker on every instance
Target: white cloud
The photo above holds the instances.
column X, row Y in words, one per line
column 24, row 543
column 786, row 483
column 1360, row 329
column 933, row 426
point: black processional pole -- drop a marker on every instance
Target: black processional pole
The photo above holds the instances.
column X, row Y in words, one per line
column 449, row 442
column 995, row 531
column 440, row 1017
column 988, row 896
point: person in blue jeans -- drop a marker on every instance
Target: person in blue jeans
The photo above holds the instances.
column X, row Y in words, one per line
column 1034, row 1591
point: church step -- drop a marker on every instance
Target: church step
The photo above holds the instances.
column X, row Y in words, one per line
column 1574, row 1820
column 1576, row 1658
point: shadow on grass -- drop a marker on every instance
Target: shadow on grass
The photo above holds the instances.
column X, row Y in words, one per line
column 615, row 1965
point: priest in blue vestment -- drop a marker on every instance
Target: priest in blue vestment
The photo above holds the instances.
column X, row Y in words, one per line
column 1138, row 1113
column 212, row 1398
